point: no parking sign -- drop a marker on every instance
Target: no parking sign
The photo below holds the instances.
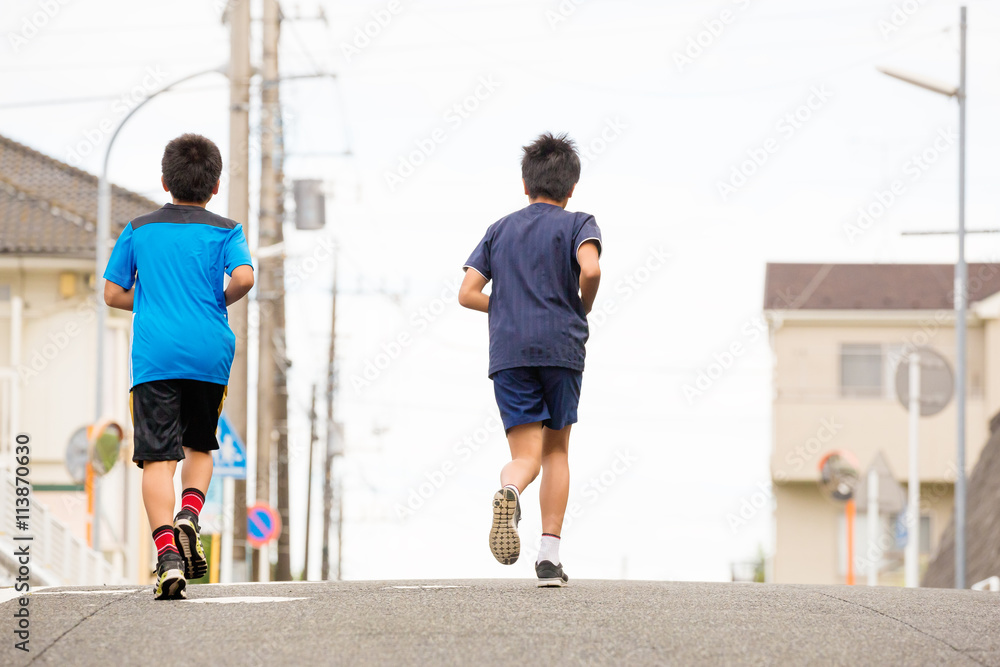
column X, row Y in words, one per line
column 263, row 525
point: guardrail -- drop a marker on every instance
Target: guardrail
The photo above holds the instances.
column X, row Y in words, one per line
column 58, row 557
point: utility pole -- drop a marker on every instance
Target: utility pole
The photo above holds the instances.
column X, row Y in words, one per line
column 309, row 484
column 238, row 13
column 270, row 286
column 330, row 436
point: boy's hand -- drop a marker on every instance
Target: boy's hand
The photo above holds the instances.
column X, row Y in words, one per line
column 117, row 296
column 240, row 283
column 590, row 273
column 470, row 294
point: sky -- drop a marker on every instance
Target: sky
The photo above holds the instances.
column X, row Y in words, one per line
column 717, row 137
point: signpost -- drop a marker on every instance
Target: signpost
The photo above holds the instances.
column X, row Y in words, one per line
column 230, row 463
column 263, row 525
column 924, row 385
column 838, row 477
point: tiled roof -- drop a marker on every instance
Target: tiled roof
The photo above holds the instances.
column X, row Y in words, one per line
column 982, row 524
column 872, row 286
column 49, row 208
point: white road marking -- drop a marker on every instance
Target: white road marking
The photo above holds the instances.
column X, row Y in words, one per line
column 97, row 592
column 422, row 587
column 264, row 583
column 249, row 600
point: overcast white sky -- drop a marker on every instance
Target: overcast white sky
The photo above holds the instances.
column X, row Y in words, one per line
column 677, row 130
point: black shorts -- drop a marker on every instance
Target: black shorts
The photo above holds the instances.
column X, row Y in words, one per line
column 169, row 415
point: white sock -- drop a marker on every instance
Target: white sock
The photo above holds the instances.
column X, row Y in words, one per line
column 517, row 493
column 549, row 550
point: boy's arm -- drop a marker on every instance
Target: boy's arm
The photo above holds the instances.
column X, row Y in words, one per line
column 590, row 273
column 117, row 296
column 240, row 283
column 470, row 294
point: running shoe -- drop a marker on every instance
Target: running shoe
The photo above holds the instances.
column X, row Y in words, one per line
column 170, row 582
column 187, row 532
column 504, row 541
column 549, row 575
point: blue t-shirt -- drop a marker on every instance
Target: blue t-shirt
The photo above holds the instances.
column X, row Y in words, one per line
column 536, row 315
column 175, row 257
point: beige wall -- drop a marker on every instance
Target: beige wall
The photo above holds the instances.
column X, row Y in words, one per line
column 56, row 373
column 810, row 419
column 808, row 530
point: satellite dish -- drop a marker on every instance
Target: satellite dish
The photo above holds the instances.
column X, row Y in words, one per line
column 77, row 455
column 838, row 473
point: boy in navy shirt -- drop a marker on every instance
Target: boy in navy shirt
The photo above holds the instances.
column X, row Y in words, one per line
column 543, row 261
column 167, row 268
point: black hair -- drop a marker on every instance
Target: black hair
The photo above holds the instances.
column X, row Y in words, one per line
column 550, row 166
column 191, row 167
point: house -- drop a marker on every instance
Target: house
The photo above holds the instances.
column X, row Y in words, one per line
column 48, row 213
column 837, row 333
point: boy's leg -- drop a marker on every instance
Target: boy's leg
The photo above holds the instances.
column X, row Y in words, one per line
column 158, row 492
column 554, row 491
column 201, row 407
column 526, row 456
column 155, row 410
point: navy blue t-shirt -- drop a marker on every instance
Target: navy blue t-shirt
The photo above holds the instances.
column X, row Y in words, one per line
column 175, row 257
column 536, row 315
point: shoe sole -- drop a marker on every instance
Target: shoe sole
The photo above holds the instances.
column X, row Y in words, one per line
column 195, row 566
column 552, row 583
column 504, row 540
column 173, row 586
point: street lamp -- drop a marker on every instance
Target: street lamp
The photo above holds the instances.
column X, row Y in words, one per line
column 103, row 231
column 961, row 279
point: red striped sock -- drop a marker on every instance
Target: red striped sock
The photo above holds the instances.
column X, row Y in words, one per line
column 193, row 500
column 164, row 539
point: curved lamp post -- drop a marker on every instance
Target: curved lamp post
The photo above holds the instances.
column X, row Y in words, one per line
column 961, row 280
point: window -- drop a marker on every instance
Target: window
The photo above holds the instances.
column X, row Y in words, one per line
column 868, row 369
column 861, row 370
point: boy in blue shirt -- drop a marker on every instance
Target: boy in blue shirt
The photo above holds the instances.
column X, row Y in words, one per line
column 543, row 261
column 167, row 268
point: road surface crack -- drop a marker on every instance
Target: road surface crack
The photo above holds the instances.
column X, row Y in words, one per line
column 114, row 599
column 909, row 625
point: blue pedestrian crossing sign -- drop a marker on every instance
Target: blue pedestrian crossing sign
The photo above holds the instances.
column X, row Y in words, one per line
column 230, row 459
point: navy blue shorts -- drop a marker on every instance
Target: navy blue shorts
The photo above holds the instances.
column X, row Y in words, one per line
column 528, row 394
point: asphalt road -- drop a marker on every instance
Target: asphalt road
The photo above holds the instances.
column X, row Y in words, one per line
column 508, row 622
